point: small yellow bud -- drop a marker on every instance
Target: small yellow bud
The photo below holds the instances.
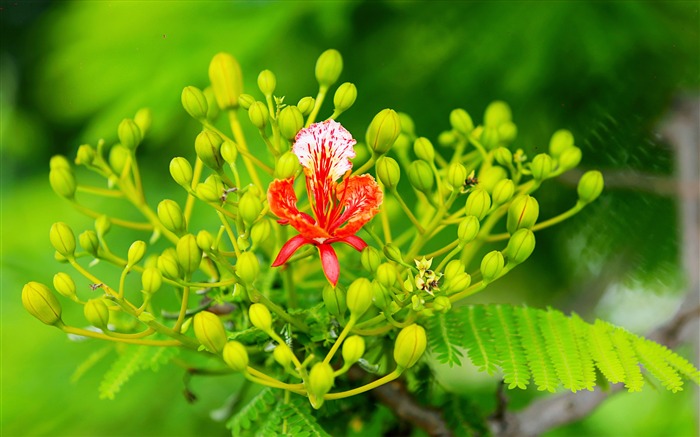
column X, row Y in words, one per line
column 226, row 80
column 63, row 182
column 507, row 132
column 442, row 304
column 569, row 158
column 136, row 252
column 497, row 113
column 229, row 151
column 410, row 345
column 210, row 331
column 328, row 67
column 260, row 317
column 456, row 175
column 195, row 103
column 212, row 107
column 86, row 155
column 383, row 131
column 381, row 297
column 478, row 203
column 392, row 252
column 129, row 134
column 181, row 171
column 65, row 285
column 353, row 349
column 247, row 267
column 205, row 240
column 424, row 149
column 267, row 82
column 560, row 141
column 290, row 122
column 459, row 282
column 388, row 171
column 503, row 191
column 287, row 165
column 189, row 255
column 503, row 156
column 490, row 138
column 235, row 356
column 461, row 121
column 260, row 231
column 59, row 161
column 96, row 313
column 245, row 100
column 319, row 383
column 386, row 274
column 102, row 225
column 38, row 300
column 590, row 186
column 541, row 166
column 208, row 148
column 522, row 213
column 143, row 119
column 249, row 208
column 453, row 268
column 407, row 125
column 344, row 97
column 258, row 114
column 62, row 239
column 168, row 265
column 208, row 193
column 306, row 105
column 492, row 265
column 170, row 215
column 283, row 355
column 520, row 246
column 118, row 158
column 151, row 279
column 447, row 138
column 489, row 177
column 421, row 176
column 89, row 242
column 370, row 259
column 334, row 299
column 359, row 297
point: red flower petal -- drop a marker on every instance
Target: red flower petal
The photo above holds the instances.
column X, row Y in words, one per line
column 283, row 201
column 289, row 248
column 361, row 196
column 353, row 241
column 329, row 262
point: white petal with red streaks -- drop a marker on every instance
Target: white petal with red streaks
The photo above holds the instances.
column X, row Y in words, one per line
column 324, row 150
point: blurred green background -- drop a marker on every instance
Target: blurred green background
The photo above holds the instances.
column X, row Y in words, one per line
column 608, row 71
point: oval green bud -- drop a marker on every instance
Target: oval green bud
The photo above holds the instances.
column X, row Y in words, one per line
column 63, row 182
column 407, row 125
column 245, row 100
column 328, row 67
column 102, row 225
column 503, row 156
column 86, row 155
column 560, row 141
column 453, row 268
column 129, row 134
column 502, row 191
column 497, row 113
column 208, row 192
column 393, row 253
column 489, row 177
column 205, row 240
column 89, row 242
column 421, row 176
column 38, row 300
column 118, row 157
column 590, row 186
column 212, row 107
column 229, row 151
column 170, row 215
column 290, row 122
column 247, row 267
column 490, row 138
column 283, row 355
column 424, row 149
column 478, row 203
column 210, row 331
column 235, row 356
column 442, row 304
column 258, row 114
column 380, row 295
column 143, row 119
column 334, row 299
column 195, row 103
column 388, row 171
column 136, row 252
column 359, row 297
column 189, row 255
column 208, row 148
column 459, row 282
column 383, row 131
column 260, row 317
column 287, row 165
column 151, row 279
column 461, row 121
column 410, row 345
column 249, row 208
column 447, row 138
column 181, row 171
column 168, row 265
column 353, row 349
column 59, row 161
column 260, row 231
column 344, row 97
column 520, row 246
column 456, row 175
column 62, row 239
column 541, row 166
column 507, row 132
column 319, row 383
column 569, row 158
column 492, row 265
column 522, row 213
column 468, row 229
column 387, row 275
column 267, row 82
column 226, row 80
column 97, row 313
column 306, row 105
column 65, row 285
column 370, row 258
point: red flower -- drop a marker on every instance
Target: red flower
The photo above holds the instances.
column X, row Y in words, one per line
column 339, row 209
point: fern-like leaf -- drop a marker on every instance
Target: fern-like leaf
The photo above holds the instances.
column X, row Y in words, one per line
column 299, row 420
column 603, row 352
column 253, row 412
column 463, row 418
column 478, row 340
column 682, row 365
column 508, row 347
column 634, row 381
column 90, row 362
column 128, row 363
column 445, row 338
column 562, row 349
column 543, row 373
column 582, row 331
column 650, row 356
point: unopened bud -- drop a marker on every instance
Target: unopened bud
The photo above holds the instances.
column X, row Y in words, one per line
column 229, row 151
column 590, row 186
column 489, row 177
column 129, row 134
column 189, row 255
column 386, row 275
column 497, row 113
column 63, row 182
column 151, row 279
column 507, row 132
column 118, row 158
column 456, row 175
column 359, row 297
column 102, row 225
column 235, row 356
column 260, row 231
column 249, row 208
column 490, row 138
column 195, row 103
column 461, row 121
column 143, row 119
column 306, row 105
column 208, row 148
column 522, row 213
column 388, row 171
column 410, row 345
column 560, row 141
column 492, row 265
column 96, row 313
column 267, row 82
column 65, row 285
column 541, row 166
column 319, row 383
column 59, row 161
column 170, row 215
column 181, row 171
column 168, row 265
column 520, row 246
column 380, row 295
column 503, row 191
column 424, row 149
column 247, row 267
column 421, row 176
column 62, row 239
column 205, row 240
column 478, row 203
column 258, row 114
column 328, row 67
column 334, row 299
column 392, row 252
column 208, row 192
column 459, row 282
column 212, row 107
column 353, row 349
column 442, row 304
column 344, row 97
column 383, row 131
column 210, row 331
column 260, row 317
column 569, row 159
column 86, row 155
column 283, row 355
column 290, row 122
column 38, row 300
column 136, row 252
column 503, row 156
column 370, row 258
column 89, row 242
column 245, row 101
column 226, row 80
column 453, row 268
column 447, row 138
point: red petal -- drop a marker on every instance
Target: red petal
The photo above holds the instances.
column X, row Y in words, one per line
column 283, row 204
column 354, row 241
column 329, row 262
column 361, row 196
column 289, row 248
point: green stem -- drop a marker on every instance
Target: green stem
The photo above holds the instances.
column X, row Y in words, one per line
column 340, row 338
column 356, row 391
column 407, row 210
column 550, row 222
column 322, row 91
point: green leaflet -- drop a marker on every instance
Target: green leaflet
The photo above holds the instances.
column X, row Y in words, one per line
column 551, row 349
column 133, row 359
column 252, row 412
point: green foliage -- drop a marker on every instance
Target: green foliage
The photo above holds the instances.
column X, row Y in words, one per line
column 253, row 412
column 131, row 360
column 463, row 417
column 553, row 349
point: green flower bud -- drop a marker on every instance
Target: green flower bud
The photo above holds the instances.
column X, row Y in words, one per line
column 245, row 100
column 541, row 166
column 388, row 171
column 461, row 121
column 89, row 242
column 407, row 125
column 353, row 349
column 503, row 156
column 59, row 161
column 189, row 255
column 208, row 193
column 65, row 285
column 370, row 259
column 459, row 282
column 205, row 240
column 478, row 203
column 170, row 215
column 320, row 382
column 260, row 317
column 210, row 332
column 226, row 80
column 520, row 246
column 328, row 67
column 151, row 279
column 492, row 265
column 63, row 182
column 344, row 97
column 212, row 107
column 560, row 141
column 287, row 165
column 267, row 82
column 383, row 131
column 402, row 143
column 447, row 138
column 102, row 225
column 143, row 119
column 235, row 356
column 168, row 265
column 387, row 274
column 380, row 295
column 334, row 299
column 421, row 176
column 283, row 355
column 590, row 186
column 118, row 157
column 136, row 252
column 229, row 151
column 247, row 267
column 569, row 158
column 97, row 313
column 502, row 191
column 490, row 138
column 258, row 114
column 38, row 300
column 86, row 154
column 359, row 297
column 260, row 231
column 195, row 103
column 181, row 171
column 129, row 134
column 410, row 345
column 208, row 148
column 522, row 213
column 392, row 252
column 249, row 208
column 456, row 175
column 497, row 113
column 62, row 239
column 489, row 177
column 507, row 132
column 424, row 149
column 290, row 122
column 442, row 304
column 306, row 105
column 453, row 268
